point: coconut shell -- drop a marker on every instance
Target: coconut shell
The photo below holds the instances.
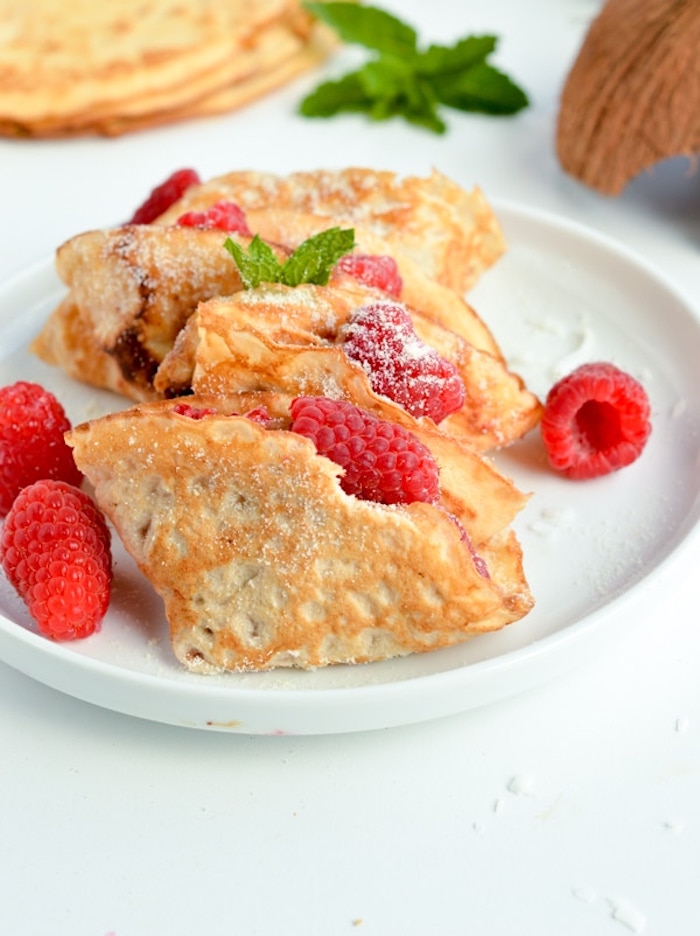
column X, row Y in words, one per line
column 632, row 97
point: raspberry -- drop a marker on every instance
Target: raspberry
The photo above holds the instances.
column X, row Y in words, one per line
column 193, row 412
column 258, row 414
column 399, row 365
column 375, row 271
column 55, row 550
column 595, row 421
column 165, row 195
column 223, row 216
column 383, row 462
column 32, row 424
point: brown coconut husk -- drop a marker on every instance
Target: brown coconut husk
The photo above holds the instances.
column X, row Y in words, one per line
column 632, row 97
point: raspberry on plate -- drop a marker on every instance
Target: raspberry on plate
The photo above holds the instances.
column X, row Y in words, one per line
column 383, row 462
column 223, row 216
column 381, row 338
column 165, row 195
column 595, row 421
column 55, row 550
column 373, row 270
column 32, row 446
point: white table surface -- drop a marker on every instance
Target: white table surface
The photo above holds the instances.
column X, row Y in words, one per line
column 573, row 808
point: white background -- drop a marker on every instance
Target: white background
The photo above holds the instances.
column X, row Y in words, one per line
column 571, row 809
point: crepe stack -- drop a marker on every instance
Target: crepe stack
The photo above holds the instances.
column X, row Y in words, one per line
column 244, row 529
column 134, row 288
column 75, row 67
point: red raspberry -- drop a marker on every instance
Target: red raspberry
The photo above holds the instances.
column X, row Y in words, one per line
column 55, row 550
column 375, row 271
column 223, row 216
column 193, row 412
column 165, row 195
column 381, row 338
column 382, row 461
column 595, row 421
column 32, row 424
column 258, row 414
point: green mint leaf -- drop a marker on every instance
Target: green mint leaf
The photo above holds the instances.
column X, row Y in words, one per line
column 347, row 94
column 399, row 92
column 367, row 26
column 417, row 111
column 403, row 81
column 313, row 261
column 443, row 60
column 427, row 118
column 482, row 88
column 385, row 78
column 256, row 265
column 381, row 89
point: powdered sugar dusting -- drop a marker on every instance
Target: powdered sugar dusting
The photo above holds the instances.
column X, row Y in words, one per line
column 623, row 912
column 679, row 408
column 553, row 521
column 400, row 366
column 522, row 785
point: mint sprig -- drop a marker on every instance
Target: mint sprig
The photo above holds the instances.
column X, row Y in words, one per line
column 403, row 80
column 311, row 262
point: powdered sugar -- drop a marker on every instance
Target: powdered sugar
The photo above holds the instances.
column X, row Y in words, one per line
column 381, row 338
column 623, row 912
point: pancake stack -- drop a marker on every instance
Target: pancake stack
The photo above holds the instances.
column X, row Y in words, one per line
column 76, row 67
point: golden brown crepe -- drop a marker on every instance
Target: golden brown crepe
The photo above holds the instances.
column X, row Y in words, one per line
column 291, row 339
column 72, row 66
column 450, row 233
column 131, row 291
column 262, row 560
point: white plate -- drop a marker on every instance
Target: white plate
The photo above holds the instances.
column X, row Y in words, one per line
column 592, row 549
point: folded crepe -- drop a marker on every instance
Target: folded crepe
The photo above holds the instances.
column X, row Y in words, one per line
column 447, row 231
column 261, row 558
column 292, row 339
